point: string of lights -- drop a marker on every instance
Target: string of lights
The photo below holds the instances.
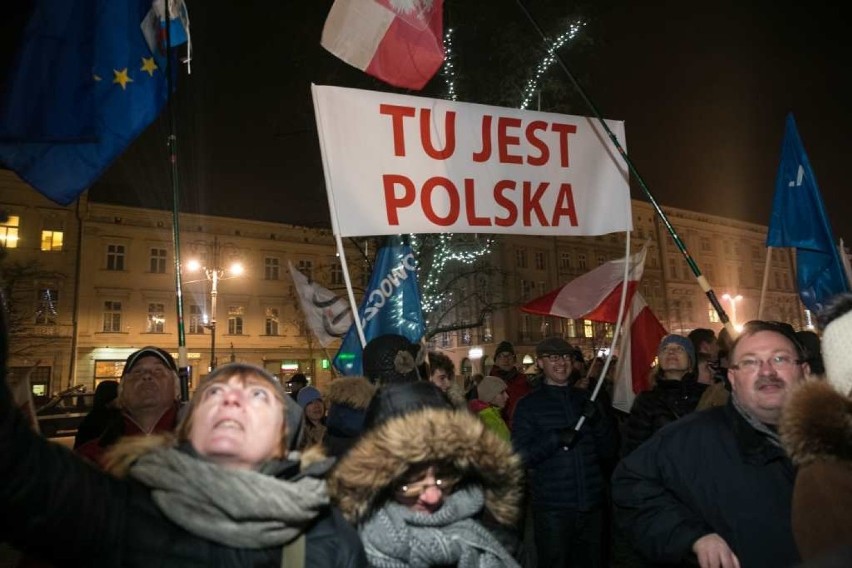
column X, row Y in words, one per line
column 448, row 71
column 548, row 60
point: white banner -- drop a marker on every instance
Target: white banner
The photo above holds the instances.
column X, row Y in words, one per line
column 402, row 164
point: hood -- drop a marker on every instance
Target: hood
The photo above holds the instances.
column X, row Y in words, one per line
column 817, row 424
column 355, row 392
column 361, row 481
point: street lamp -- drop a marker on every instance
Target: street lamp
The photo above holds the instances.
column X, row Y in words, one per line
column 733, row 300
column 214, row 274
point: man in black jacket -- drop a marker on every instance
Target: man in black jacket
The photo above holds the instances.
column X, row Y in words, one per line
column 717, row 485
column 566, row 482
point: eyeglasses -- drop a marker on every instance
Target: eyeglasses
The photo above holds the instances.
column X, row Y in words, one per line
column 777, row 362
column 554, row 357
column 415, row 489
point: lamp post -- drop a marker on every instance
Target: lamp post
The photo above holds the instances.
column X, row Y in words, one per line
column 214, row 274
column 733, row 301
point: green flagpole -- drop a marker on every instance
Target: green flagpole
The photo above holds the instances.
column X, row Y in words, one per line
column 702, row 281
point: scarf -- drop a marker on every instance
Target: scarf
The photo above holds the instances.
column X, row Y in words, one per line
column 238, row 508
column 397, row 537
column 766, row 431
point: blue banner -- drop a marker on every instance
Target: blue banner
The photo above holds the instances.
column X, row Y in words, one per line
column 798, row 220
column 83, row 86
column 391, row 305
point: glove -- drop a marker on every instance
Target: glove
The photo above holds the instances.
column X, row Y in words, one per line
column 568, row 438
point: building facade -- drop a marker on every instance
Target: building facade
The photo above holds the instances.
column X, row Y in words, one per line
column 91, row 282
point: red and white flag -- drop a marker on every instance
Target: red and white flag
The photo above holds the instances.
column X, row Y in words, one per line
column 397, row 41
column 595, row 296
column 638, row 350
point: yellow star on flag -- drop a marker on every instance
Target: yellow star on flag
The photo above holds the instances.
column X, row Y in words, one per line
column 122, row 78
column 148, row 65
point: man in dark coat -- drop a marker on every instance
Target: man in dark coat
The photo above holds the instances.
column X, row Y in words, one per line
column 566, row 482
column 716, row 486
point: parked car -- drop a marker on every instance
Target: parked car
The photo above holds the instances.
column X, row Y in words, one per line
column 63, row 413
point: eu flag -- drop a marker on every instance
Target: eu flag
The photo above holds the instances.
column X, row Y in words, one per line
column 83, row 86
column 798, row 220
column 391, row 305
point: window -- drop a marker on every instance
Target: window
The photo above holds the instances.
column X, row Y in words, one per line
column 540, row 261
column 565, row 261
column 521, row 258
column 570, row 330
column 235, row 319
column 271, row 321
column 271, row 268
column 158, row 261
column 588, row 330
column 581, row 261
column 156, row 318
column 9, row 232
column 112, row 317
column 306, row 267
column 674, row 273
column 712, row 314
column 527, row 289
column 336, row 272
column 51, row 240
column 115, row 257
column 196, row 319
column 47, row 306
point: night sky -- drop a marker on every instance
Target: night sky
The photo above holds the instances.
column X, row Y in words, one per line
column 704, row 89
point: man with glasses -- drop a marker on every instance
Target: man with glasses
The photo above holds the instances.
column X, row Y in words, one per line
column 716, row 487
column 148, row 401
column 567, row 485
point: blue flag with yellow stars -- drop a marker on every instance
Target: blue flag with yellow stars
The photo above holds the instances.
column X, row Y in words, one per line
column 83, row 86
column 798, row 220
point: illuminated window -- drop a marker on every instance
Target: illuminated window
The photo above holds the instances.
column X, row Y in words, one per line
column 588, row 330
column 712, row 314
column 156, row 318
column 235, row 319
column 196, row 319
column 271, row 321
column 9, row 232
column 51, row 240
column 112, row 317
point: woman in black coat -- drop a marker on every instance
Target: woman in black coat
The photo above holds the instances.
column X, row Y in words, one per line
column 222, row 492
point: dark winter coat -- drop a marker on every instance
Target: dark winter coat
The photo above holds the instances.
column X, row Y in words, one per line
column 668, row 401
column 561, row 477
column 817, row 431
column 711, row 472
column 63, row 510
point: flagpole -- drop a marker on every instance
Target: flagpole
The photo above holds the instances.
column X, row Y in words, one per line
column 702, row 281
column 356, row 318
column 765, row 282
column 183, row 362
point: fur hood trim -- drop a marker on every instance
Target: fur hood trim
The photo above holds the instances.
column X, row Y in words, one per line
column 817, row 424
column 355, row 392
column 362, row 480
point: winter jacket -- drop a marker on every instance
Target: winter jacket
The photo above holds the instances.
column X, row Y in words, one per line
column 517, row 387
column 817, row 431
column 360, row 482
column 347, row 399
column 562, row 477
column 668, row 401
column 711, row 472
column 118, row 425
column 491, row 417
column 61, row 509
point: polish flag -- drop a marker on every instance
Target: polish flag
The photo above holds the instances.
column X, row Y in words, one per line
column 595, row 296
column 397, row 41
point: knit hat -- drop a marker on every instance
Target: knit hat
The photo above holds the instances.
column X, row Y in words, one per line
column 553, row 346
column 149, row 351
column 391, row 358
column 836, row 354
column 393, row 400
column 683, row 342
column 489, row 388
column 504, row 347
column 307, row 395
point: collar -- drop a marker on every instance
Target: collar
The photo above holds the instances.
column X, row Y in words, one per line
column 756, row 446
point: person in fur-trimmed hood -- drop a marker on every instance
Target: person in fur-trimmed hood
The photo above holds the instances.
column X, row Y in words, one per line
column 428, row 485
column 817, row 431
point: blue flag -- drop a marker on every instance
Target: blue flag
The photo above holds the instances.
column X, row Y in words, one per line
column 83, row 86
column 391, row 305
column 798, row 220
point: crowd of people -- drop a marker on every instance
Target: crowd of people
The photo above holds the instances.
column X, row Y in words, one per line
column 739, row 455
